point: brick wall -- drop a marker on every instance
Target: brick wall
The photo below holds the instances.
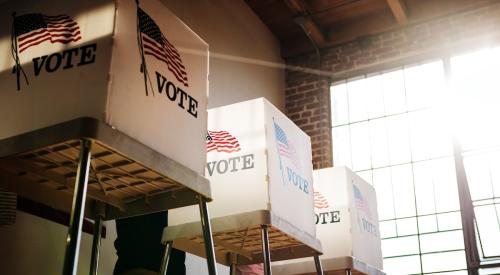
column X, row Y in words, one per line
column 307, row 99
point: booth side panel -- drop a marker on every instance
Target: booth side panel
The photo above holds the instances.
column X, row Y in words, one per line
column 60, row 78
column 365, row 228
column 333, row 222
column 290, row 170
column 162, row 104
column 236, row 161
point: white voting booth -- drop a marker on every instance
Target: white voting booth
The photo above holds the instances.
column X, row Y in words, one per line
column 259, row 165
column 251, row 168
column 346, row 224
column 106, row 98
column 83, row 59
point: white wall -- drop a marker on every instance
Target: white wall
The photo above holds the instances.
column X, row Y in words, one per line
column 238, row 42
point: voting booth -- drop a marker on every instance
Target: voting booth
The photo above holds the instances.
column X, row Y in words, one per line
column 346, row 224
column 135, row 67
column 103, row 101
column 259, row 165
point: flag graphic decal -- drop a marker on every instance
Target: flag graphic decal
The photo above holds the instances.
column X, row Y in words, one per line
column 222, row 141
column 35, row 28
column 155, row 44
column 285, row 146
column 320, row 201
column 360, row 201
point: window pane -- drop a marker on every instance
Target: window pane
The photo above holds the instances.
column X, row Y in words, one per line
column 407, row 226
column 478, row 176
column 429, row 135
column 427, row 224
column 358, row 104
column 424, row 84
column 340, row 109
column 402, row 265
column 442, row 241
column 341, row 146
column 424, row 187
column 360, row 144
column 402, row 182
column 394, row 92
column 387, row 229
column 378, row 142
column 444, row 261
column 375, row 96
column 445, row 185
column 400, row 246
column 399, row 143
column 489, row 228
column 383, row 187
column 449, row 221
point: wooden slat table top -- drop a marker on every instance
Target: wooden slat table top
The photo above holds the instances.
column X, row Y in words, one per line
column 241, row 235
column 129, row 177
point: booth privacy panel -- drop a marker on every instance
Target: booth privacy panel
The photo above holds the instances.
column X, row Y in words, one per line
column 135, row 67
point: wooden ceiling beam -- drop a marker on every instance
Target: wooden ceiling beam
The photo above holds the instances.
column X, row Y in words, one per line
column 398, row 9
column 303, row 18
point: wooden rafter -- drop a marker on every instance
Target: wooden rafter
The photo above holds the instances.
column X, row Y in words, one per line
column 398, row 9
column 299, row 9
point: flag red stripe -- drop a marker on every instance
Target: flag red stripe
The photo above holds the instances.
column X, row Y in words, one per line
column 64, row 41
column 50, row 35
column 159, row 53
column 162, row 58
column 167, row 54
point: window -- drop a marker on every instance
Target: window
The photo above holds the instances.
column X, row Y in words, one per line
column 393, row 128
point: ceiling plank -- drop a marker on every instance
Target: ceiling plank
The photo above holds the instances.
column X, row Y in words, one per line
column 299, row 8
column 398, row 9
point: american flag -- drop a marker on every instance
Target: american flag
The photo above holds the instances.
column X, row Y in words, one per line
column 222, row 141
column 35, row 28
column 320, row 201
column 360, row 201
column 155, row 44
column 285, row 146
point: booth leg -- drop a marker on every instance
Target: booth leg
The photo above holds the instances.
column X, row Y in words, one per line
column 232, row 269
column 166, row 257
column 348, row 272
column 77, row 210
column 265, row 250
column 207, row 236
column 317, row 263
column 96, row 244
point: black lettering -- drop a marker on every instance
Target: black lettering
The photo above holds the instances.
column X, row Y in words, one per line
column 335, row 216
column 248, row 162
column 211, row 169
column 171, row 87
column 160, row 80
column 233, row 160
column 69, row 57
column 183, row 95
column 193, row 107
column 323, row 215
column 48, row 66
column 317, row 218
column 87, row 54
column 224, row 170
column 38, row 67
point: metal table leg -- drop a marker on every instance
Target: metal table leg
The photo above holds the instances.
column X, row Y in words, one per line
column 234, row 261
column 265, row 250
column 348, row 272
column 77, row 210
column 317, row 263
column 166, row 257
column 96, row 244
column 207, row 236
